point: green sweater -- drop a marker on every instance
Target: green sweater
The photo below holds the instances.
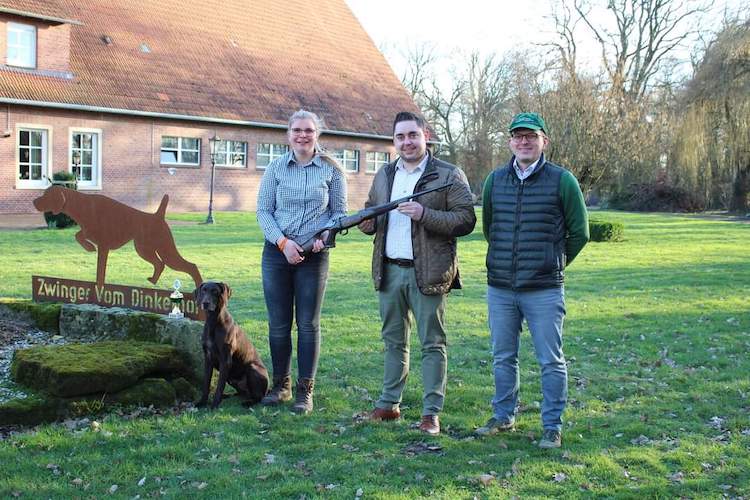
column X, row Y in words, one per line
column 574, row 209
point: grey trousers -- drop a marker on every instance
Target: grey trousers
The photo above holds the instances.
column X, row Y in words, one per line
column 400, row 298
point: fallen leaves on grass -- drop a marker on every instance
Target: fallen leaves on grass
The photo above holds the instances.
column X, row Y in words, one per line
column 421, row 448
column 677, row 477
column 486, row 479
column 716, row 423
column 640, row 440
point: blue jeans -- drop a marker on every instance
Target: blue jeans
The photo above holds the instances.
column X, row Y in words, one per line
column 544, row 311
column 294, row 292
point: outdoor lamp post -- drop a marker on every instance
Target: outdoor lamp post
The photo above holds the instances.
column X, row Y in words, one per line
column 213, row 143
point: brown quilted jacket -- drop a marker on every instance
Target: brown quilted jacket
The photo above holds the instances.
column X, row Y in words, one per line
column 448, row 213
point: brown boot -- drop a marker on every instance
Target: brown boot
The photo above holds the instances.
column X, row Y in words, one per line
column 280, row 392
column 303, row 401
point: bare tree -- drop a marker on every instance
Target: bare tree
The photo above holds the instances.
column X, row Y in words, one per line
column 440, row 107
column 485, row 112
column 645, row 32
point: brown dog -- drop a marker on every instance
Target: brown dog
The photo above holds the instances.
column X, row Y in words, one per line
column 227, row 349
column 107, row 224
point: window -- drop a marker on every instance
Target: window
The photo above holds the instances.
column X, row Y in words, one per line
column 266, row 153
column 32, row 157
column 375, row 159
column 84, row 159
column 231, row 154
column 347, row 158
column 21, row 45
column 180, row 150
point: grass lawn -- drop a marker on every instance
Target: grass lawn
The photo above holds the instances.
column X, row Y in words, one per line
column 657, row 339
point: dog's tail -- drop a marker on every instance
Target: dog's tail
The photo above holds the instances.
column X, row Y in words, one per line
column 162, row 207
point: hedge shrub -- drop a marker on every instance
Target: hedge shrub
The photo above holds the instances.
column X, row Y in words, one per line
column 60, row 221
column 605, row 231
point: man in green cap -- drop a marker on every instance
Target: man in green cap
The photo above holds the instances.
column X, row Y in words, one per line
column 535, row 221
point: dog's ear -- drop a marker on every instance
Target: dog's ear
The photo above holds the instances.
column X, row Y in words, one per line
column 226, row 292
column 197, row 292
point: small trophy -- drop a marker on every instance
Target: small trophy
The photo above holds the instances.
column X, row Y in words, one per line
column 176, row 299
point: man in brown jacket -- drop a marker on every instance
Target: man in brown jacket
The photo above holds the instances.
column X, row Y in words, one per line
column 414, row 263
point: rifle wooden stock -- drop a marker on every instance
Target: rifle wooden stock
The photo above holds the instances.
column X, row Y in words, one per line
column 342, row 224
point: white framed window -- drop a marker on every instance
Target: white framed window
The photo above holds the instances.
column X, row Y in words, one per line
column 180, row 150
column 85, row 157
column 33, row 167
column 266, row 153
column 347, row 158
column 375, row 159
column 21, row 45
column 231, row 154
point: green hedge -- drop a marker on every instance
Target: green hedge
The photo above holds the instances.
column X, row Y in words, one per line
column 605, row 231
column 60, row 221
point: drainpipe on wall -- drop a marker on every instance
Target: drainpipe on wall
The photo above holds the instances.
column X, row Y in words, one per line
column 7, row 132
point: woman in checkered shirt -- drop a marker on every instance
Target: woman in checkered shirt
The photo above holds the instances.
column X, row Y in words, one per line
column 300, row 193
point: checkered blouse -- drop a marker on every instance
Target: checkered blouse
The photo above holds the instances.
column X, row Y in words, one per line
column 295, row 200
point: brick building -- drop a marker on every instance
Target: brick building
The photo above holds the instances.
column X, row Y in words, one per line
column 127, row 94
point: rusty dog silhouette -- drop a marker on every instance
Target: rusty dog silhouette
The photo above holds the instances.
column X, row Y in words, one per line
column 107, row 224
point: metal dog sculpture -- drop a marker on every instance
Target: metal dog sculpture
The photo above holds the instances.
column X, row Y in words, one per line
column 107, row 224
column 226, row 348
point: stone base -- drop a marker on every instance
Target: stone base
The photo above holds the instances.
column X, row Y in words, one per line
column 87, row 322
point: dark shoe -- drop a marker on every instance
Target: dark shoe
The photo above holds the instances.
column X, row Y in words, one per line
column 280, row 392
column 303, row 401
column 380, row 414
column 493, row 426
column 550, row 439
column 430, row 425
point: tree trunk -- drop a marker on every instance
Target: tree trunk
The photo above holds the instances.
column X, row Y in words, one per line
column 740, row 188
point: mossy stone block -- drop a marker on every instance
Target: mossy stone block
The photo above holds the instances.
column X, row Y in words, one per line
column 184, row 390
column 31, row 410
column 45, row 316
column 102, row 367
column 149, row 391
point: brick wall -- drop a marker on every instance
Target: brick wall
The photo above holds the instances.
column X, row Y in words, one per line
column 131, row 169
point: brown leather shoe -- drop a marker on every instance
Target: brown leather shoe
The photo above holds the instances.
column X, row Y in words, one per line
column 380, row 414
column 430, row 425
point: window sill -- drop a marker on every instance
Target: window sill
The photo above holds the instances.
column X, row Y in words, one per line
column 40, row 185
column 179, row 165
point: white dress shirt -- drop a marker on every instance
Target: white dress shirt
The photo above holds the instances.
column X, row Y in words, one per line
column 523, row 174
column 398, row 233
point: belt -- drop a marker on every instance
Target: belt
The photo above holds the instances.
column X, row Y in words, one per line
column 399, row 262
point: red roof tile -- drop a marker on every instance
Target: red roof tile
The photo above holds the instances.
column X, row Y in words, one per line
column 43, row 9
column 249, row 60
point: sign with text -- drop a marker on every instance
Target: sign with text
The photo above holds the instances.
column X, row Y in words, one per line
column 48, row 289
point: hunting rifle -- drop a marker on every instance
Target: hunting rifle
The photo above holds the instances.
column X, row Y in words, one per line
column 342, row 224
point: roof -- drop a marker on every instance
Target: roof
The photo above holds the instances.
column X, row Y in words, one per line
column 244, row 60
column 50, row 10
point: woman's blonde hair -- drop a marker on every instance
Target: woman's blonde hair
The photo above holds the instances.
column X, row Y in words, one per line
column 303, row 114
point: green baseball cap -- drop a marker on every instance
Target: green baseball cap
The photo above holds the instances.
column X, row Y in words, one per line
column 531, row 121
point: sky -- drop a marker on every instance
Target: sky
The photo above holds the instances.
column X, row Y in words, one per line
column 484, row 25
